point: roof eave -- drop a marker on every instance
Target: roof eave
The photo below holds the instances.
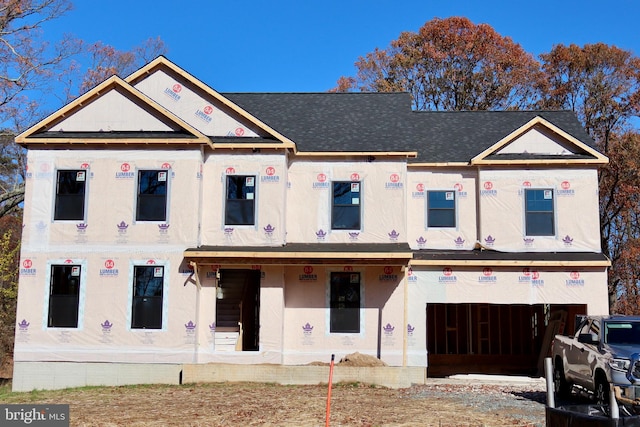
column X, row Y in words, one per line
column 594, row 161
column 266, row 145
column 112, row 141
column 511, row 263
column 209, row 257
column 406, row 154
column 438, row 164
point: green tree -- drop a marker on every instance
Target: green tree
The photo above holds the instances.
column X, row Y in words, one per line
column 12, row 168
column 10, row 227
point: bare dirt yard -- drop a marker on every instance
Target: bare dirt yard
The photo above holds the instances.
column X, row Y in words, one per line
column 249, row 404
column 440, row 403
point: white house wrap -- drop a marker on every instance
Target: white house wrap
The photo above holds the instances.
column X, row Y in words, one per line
column 168, row 226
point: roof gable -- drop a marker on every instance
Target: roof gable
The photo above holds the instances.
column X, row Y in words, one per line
column 124, row 115
column 228, row 124
column 539, row 141
column 476, row 137
column 111, row 111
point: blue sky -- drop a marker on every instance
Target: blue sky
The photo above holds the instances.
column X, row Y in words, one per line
column 306, row 45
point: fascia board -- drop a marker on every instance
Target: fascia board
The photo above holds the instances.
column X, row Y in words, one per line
column 534, row 162
column 407, row 154
column 438, row 164
column 294, row 255
column 511, row 263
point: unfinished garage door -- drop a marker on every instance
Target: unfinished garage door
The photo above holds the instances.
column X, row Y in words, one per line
column 493, row 338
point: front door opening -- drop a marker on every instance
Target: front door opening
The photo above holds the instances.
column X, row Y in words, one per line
column 238, row 306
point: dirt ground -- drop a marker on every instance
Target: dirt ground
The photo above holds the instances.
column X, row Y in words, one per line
column 245, row 404
column 250, row 404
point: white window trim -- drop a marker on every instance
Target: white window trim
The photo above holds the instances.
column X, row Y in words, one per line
column 555, row 212
column 170, row 177
column 55, row 195
column 255, row 200
column 81, row 295
column 327, row 329
column 361, row 204
column 165, row 293
column 455, row 206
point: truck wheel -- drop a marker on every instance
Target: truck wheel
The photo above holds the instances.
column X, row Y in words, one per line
column 561, row 387
column 601, row 390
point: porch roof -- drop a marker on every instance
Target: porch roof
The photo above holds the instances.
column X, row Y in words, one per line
column 386, row 254
column 304, row 253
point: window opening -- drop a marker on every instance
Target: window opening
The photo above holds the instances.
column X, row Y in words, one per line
column 346, row 202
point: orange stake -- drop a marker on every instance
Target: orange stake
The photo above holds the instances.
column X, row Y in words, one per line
column 329, row 393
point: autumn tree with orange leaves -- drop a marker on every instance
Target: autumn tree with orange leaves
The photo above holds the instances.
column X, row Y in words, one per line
column 601, row 84
column 620, row 221
column 452, row 64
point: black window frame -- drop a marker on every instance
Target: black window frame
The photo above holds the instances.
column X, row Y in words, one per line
column 346, row 215
column 64, row 295
column 344, row 310
column 152, row 196
column 539, row 219
column 439, row 215
column 240, row 202
column 147, row 297
column 70, row 201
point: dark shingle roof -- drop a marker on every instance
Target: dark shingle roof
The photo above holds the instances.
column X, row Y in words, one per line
column 334, row 121
column 382, row 122
column 458, row 136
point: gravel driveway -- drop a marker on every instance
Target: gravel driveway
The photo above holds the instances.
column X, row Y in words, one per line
column 523, row 399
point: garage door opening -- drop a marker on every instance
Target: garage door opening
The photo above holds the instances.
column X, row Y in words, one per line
column 494, row 338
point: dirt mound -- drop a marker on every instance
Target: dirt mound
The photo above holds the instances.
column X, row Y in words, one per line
column 357, row 359
column 354, row 359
